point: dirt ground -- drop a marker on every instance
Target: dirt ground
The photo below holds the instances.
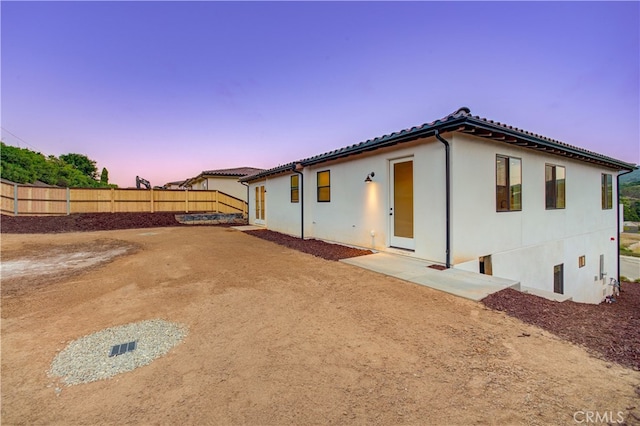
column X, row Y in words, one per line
column 277, row 336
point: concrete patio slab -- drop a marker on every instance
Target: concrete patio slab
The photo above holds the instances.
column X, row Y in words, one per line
column 465, row 284
column 247, row 227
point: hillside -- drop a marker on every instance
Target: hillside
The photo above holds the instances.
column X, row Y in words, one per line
column 630, row 195
column 21, row 165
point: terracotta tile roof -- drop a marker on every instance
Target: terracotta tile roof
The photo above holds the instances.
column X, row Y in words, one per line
column 238, row 171
column 459, row 121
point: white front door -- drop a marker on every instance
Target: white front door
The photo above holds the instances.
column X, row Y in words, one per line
column 401, row 204
column 260, row 204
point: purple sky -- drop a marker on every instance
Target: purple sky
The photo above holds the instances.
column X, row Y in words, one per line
column 166, row 90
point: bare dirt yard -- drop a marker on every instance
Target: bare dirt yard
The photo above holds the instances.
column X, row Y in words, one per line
column 277, row 336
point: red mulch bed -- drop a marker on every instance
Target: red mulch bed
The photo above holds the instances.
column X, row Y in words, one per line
column 317, row 248
column 609, row 330
column 85, row 222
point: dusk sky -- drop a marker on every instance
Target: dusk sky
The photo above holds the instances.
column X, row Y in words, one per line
column 165, row 90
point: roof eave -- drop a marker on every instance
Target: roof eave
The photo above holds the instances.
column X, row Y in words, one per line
column 462, row 123
column 275, row 171
column 535, row 142
column 458, row 124
column 387, row 141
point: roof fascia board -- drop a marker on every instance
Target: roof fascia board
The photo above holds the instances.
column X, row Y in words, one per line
column 276, row 171
column 584, row 155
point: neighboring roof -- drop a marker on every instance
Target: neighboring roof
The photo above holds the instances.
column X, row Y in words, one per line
column 237, row 172
column 459, row 121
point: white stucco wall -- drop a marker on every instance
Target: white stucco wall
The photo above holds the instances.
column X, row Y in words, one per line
column 228, row 185
column 525, row 245
column 358, row 209
column 281, row 214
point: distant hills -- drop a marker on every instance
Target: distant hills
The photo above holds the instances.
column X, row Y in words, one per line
column 630, row 195
column 630, row 177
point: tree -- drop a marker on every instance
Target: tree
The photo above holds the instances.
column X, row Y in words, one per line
column 104, row 176
column 83, row 163
column 631, row 208
column 21, row 165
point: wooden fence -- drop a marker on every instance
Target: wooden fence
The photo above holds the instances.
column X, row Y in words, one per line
column 29, row 200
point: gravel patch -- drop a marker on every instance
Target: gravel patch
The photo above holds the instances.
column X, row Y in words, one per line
column 87, row 359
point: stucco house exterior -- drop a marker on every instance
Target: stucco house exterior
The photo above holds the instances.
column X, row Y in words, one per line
column 223, row 180
column 462, row 191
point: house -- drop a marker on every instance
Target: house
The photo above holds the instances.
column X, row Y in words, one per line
column 223, row 180
column 173, row 185
column 463, row 191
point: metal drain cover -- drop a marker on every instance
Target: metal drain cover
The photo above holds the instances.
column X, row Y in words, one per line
column 122, row 348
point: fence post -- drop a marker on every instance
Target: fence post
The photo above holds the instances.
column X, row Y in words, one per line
column 113, row 200
column 217, row 206
column 15, row 199
column 68, row 201
column 186, row 201
column 151, row 192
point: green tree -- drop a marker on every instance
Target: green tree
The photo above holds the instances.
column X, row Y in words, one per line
column 83, row 163
column 631, row 209
column 630, row 189
column 20, row 165
column 72, row 170
column 104, row 176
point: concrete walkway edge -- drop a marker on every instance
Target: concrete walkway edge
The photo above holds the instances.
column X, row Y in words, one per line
column 469, row 285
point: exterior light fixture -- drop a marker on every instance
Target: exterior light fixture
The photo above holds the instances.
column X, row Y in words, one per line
column 369, row 176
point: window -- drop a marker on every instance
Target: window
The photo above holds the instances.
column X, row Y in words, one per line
column 486, row 266
column 554, row 177
column 295, row 192
column 582, row 261
column 324, row 186
column 558, row 279
column 607, row 192
column 508, row 184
